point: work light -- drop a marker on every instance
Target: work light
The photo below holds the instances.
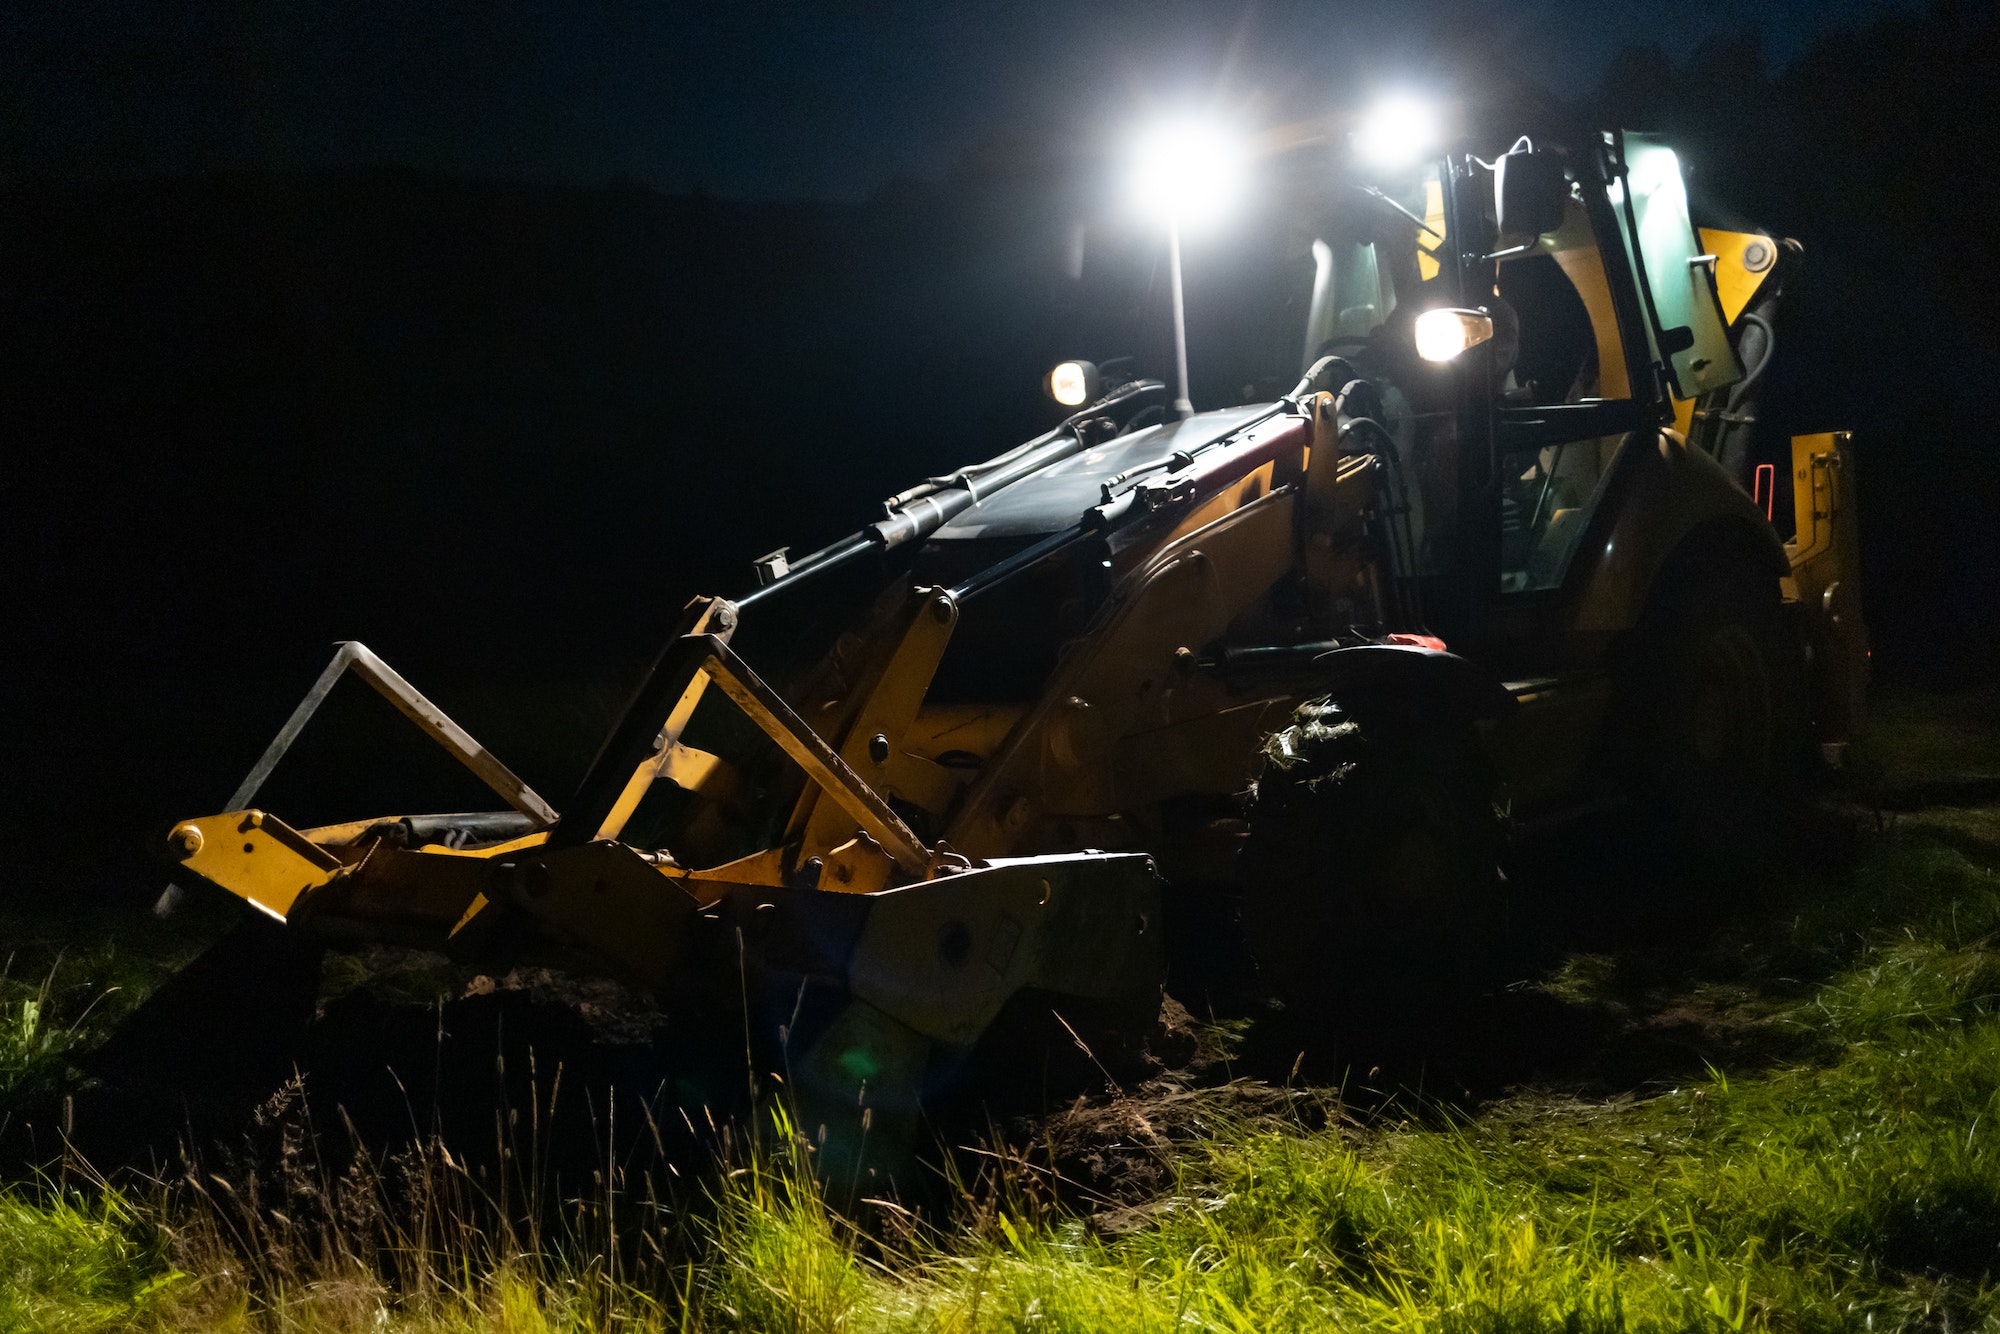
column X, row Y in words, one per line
column 1444, row 333
column 1187, row 171
column 1396, row 133
column 1072, row 384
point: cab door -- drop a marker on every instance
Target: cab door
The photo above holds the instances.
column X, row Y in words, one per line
column 1573, row 381
column 1686, row 332
column 1609, row 313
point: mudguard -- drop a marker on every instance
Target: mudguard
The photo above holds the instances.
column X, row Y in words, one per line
column 1445, row 682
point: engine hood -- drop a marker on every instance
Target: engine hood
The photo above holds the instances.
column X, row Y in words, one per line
column 1057, row 497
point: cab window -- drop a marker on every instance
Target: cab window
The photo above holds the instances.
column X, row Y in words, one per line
column 1375, row 265
column 1558, row 338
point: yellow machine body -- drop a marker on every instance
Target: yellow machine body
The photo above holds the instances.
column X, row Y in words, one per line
column 875, row 824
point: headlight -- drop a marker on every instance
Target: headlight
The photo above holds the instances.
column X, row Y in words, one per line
column 1072, row 384
column 1443, row 334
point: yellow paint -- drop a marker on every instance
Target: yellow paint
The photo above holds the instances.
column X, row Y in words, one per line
column 1812, row 498
column 472, row 910
column 1427, row 264
column 255, row 857
column 338, row 835
column 670, row 755
column 1584, row 267
column 333, row 835
column 525, row 841
column 693, row 770
column 607, row 900
column 1826, row 574
column 858, row 866
column 1734, row 284
column 765, row 867
column 1251, row 486
column 975, row 729
column 891, row 704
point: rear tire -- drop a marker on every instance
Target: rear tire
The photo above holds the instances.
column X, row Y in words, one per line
column 1372, row 864
column 1715, row 711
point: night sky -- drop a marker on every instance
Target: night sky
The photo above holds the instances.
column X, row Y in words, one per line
column 747, row 99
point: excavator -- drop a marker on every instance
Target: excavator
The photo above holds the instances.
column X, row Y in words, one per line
column 1509, row 548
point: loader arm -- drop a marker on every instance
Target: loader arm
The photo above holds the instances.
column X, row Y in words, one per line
column 280, row 870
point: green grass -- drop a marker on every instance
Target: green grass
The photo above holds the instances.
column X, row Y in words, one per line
column 1861, row 1191
column 1853, row 1185
column 80, row 1261
column 1918, row 738
column 43, row 1021
column 65, row 985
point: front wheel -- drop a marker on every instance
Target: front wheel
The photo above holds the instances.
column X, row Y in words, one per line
column 1372, row 879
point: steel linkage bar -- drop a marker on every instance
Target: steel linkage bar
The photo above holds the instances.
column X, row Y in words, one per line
column 765, row 707
column 411, row 703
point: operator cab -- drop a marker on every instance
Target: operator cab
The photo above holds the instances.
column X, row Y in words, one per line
column 1585, row 262
column 1499, row 460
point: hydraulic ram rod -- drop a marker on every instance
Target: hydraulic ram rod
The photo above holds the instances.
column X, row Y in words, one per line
column 922, row 510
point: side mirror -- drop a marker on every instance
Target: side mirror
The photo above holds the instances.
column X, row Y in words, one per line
column 1445, row 332
column 1073, row 383
column 1530, row 194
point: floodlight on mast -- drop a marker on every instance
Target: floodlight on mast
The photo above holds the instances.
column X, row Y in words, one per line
column 1186, row 172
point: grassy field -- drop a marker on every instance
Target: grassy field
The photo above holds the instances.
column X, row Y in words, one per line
column 1836, row 1165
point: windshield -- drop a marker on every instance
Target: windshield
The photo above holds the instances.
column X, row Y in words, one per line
column 1321, row 266
column 1366, row 258
column 1316, row 264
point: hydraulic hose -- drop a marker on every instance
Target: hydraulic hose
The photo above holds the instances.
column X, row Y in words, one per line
column 919, row 516
column 1742, row 387
column 922, row 510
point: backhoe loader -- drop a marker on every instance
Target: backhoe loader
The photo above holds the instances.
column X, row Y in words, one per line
column 1504, row 551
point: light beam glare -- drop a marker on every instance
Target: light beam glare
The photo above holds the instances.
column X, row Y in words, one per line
column 1187, row 172
column 1396, row 133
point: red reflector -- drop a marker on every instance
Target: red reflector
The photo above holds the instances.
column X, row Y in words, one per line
column 1431, row 642
column 1764, row 487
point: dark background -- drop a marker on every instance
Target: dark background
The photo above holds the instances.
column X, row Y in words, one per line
column 460, row 337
